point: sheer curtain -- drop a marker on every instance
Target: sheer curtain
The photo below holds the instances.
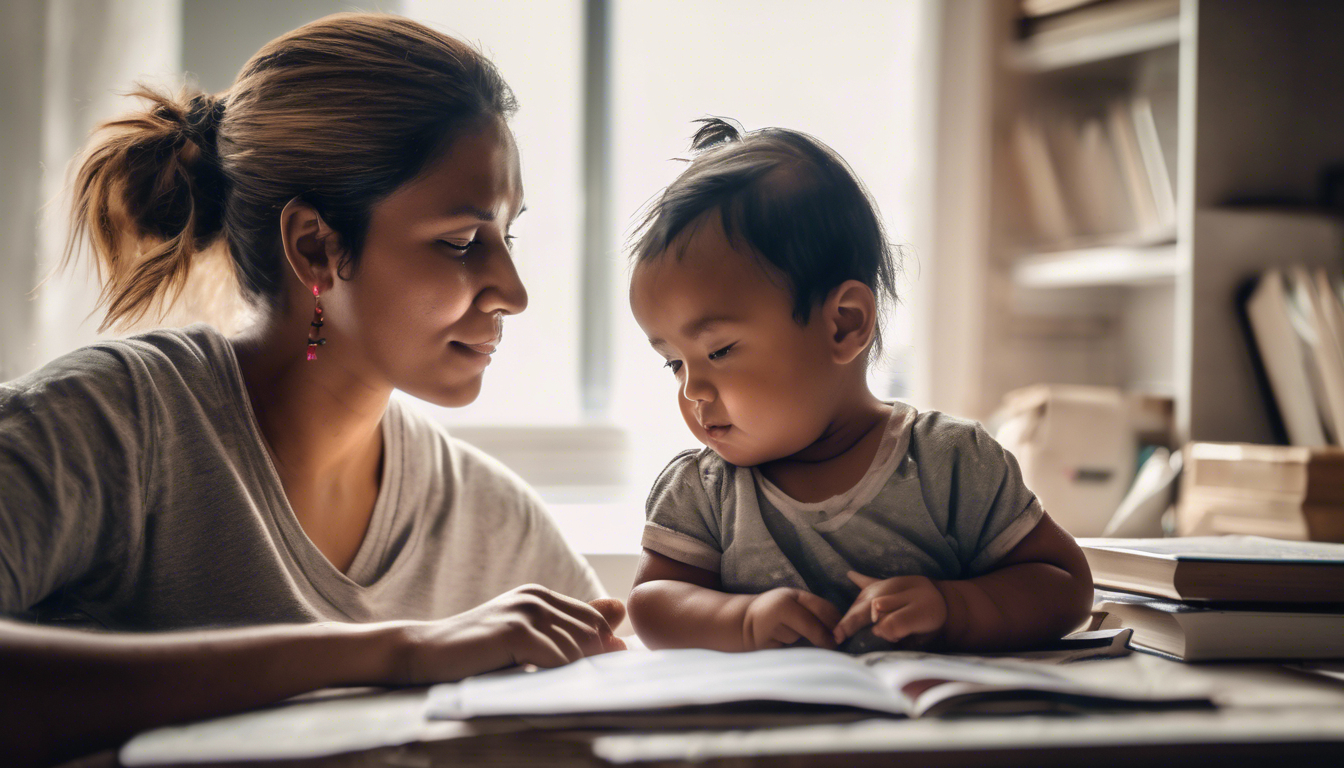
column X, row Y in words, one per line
column 96, row 50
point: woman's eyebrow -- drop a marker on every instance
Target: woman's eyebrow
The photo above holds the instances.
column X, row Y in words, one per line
column 473, row 211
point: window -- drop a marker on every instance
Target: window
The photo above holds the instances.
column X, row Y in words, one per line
column 843, row 72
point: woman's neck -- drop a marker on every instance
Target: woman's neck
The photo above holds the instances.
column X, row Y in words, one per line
column 321, row 421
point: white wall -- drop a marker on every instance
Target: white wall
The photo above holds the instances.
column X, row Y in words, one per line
column 22, row 45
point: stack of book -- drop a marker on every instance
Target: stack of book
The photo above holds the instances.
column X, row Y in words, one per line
column 1222, row 597
column 1073, row 19
column 1100, row 175
column 1284, row 492
column 1295, row 319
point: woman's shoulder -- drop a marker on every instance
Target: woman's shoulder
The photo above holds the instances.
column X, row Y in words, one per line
column 122, row 373
column 431, row 453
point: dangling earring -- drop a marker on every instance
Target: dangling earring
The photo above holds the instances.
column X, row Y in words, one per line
column 315, row 339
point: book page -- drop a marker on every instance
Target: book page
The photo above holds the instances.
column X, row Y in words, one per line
column 632, row 681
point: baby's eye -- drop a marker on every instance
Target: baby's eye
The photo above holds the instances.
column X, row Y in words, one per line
column 675, row 365
column 715, row 355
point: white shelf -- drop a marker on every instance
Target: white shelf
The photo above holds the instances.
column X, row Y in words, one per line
column 1044, row 55
column 1091, row 267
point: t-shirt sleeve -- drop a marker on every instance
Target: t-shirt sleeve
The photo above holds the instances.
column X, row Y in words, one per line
column 990, row 507
column 558, row 565
column 517, row 541
column 681, row 521
column 72, row 466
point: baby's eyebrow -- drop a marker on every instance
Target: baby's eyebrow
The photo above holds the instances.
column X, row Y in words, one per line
column 697, row 328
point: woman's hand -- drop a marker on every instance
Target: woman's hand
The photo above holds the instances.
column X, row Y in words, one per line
column 526, row 625
column 784, row 616
column 897, row 608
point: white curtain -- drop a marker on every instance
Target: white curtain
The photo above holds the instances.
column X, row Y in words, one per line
column 66, row 64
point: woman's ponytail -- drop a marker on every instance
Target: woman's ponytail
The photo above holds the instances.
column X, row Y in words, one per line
column 150, row 195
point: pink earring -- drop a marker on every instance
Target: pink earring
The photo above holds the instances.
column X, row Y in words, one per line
column 315, row 339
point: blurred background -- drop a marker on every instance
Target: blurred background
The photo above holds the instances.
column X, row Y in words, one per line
column 1085, row 192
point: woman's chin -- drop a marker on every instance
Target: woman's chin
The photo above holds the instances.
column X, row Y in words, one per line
column 455, row 395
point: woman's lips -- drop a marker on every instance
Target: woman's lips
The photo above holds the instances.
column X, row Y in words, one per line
column 484, row 349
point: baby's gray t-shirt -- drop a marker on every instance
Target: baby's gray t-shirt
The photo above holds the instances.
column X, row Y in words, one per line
column 136, row 493
column 942, row 499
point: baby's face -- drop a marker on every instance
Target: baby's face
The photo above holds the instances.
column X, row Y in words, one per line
column 755, row 385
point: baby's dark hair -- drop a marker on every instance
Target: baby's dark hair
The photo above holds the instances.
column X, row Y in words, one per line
column 791, row 199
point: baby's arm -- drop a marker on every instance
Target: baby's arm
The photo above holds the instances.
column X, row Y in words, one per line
column 1039, row 591
column 675, row 605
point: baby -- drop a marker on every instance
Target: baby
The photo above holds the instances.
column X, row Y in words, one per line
column 817, row 513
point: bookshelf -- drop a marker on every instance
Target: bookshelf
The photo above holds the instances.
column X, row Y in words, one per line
column 1100, row 266
column 1026, row 284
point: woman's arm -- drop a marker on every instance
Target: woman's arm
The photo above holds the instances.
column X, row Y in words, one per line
column 1039, row 591
column 675, row 605
column 65, row 692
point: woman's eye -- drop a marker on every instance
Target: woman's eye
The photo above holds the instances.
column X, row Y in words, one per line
column 675, row 365
column 718, row 353
column 461, row 246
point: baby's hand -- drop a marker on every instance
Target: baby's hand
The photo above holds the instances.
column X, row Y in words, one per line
column 897, row 608
column 784, row 616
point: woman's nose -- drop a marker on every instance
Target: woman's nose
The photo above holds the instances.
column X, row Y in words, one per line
column 503, row 289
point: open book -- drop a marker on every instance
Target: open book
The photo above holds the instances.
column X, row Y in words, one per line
column 897, row 683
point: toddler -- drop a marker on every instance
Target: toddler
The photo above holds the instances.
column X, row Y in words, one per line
column 817, row 513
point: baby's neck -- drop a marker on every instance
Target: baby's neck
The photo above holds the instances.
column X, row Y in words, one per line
column 838, row 459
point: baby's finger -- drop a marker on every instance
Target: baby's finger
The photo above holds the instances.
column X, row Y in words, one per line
column 881, row 606
column 889, row 603
column 785, row 635
column 821, row 608
column 860, row 579
column 897, row 625
column 856, row 618
column 801, row 620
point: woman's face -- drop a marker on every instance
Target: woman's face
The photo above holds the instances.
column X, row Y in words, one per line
column 425, row 306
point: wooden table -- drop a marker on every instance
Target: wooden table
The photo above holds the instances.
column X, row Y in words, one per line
column 1267, row 715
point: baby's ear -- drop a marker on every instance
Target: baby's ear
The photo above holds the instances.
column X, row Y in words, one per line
column 850, row 314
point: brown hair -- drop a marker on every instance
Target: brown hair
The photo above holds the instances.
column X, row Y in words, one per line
column 339, row 113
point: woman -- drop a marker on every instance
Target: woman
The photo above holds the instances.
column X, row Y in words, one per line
column 363, row 177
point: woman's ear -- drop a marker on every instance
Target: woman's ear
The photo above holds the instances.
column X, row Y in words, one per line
column 850, row 314
column 311, row 247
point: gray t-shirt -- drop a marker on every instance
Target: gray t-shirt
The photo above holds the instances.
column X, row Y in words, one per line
column 136, row 493
column 942, row 499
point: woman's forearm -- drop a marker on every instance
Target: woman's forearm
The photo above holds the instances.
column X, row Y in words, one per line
column 675, row 614
column 65, row 693
column 1014, row 607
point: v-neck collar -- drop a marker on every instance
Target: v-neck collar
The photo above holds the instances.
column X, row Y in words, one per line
column 367, row 568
